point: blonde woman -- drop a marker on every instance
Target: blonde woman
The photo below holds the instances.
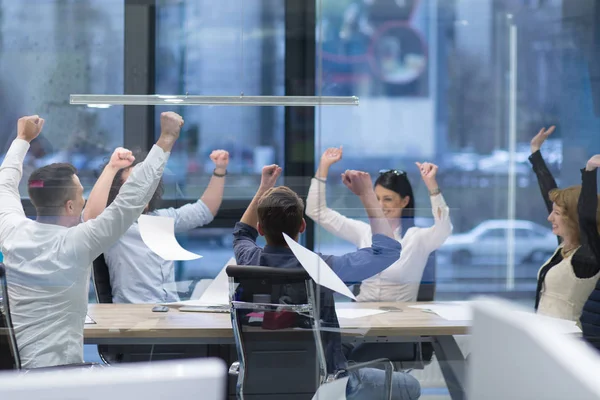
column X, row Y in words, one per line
column 399, row 282
column 567, row 279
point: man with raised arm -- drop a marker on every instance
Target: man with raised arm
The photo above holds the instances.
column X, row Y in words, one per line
column 48, row 261
column 275, row 211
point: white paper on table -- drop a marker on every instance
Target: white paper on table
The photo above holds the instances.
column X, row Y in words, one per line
column 218, row 291
column 451, row 312
column 89, row 320
column 335, row 390
column 563, row 326
column 318, row 269
column 351, row 313
column 158, row 233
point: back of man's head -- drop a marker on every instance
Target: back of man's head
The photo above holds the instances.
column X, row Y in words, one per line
column 280, row 210
column 51, row 187
column 121, row 177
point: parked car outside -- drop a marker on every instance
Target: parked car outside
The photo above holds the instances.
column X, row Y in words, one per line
column 488, row 243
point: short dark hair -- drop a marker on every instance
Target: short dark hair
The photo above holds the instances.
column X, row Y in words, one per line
column 50, row 188
column 280, row 210
column 117, row 182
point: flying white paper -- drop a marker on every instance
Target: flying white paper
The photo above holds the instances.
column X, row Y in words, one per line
column 218, row 291
column 158, row 233
column 318, row 269
column 335, row 390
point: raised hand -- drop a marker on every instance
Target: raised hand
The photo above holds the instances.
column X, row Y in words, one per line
column 221, row 160
column 28, row 128
column 170, row 124
column 358, row 182
column 331, row 156
column 428, row 174
column 269, row 176
column 593, row 163
column 121, row 158
column 540, row 138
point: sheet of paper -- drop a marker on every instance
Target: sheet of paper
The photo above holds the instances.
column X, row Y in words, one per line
column 158, row 233
column 451, row 312
column 350, row 313
column 89, row 320
column 335, row 390
column 218, row 291
column 318, row 269
column 563, row 326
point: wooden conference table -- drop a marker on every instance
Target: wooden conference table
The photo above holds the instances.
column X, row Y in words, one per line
column 121, row 324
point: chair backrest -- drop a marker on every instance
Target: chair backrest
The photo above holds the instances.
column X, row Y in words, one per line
column 101, row 278
column 428, row 281
column 9, row 352
column 272, row 313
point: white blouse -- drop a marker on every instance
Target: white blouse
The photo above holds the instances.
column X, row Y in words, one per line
column 399, row 282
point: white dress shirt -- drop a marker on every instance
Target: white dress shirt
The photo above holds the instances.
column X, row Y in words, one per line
column 399, row 282
column 139, row 275
column 48, row 266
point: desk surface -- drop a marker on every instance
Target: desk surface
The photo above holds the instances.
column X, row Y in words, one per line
column 138, row 321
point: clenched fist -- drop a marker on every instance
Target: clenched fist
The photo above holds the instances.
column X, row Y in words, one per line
column 28, row 128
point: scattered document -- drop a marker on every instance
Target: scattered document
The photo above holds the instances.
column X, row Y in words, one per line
column 461, row 311
column 563, row 326
column 335, row 390
column 351, row 313
column 449, row 311
column 218, row 291
column 158, row 233
column 89, row 320
column 318, row 269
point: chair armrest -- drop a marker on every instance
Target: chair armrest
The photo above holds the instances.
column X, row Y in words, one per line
column 234, row 369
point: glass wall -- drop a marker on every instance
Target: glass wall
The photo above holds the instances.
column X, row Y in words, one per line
column 220, row 48
column 465, row 85
column 50, row 49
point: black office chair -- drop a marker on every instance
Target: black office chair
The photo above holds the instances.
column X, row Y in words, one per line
column 101, row 279
column 9, row 351
column 278, row 335
column 404, row 355
column 135, row 353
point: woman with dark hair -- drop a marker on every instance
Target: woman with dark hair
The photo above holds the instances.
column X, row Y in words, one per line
column 399, row 282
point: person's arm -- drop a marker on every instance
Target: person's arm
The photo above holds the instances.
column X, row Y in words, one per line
column 189, row 216
column 213, row 195
column 245, row 249
column 203, row 211
column 364, row 263
column 268, row 178
column 544, row 177
column 90, row 239
column 332, row 221
column 96, row 203
column 11, row 171
column 586, row 259
column 316, row 204
column 435, row 236
column 361, row 185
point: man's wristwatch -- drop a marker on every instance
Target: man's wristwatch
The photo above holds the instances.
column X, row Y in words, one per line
column 435, row 191
column 215, row 173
